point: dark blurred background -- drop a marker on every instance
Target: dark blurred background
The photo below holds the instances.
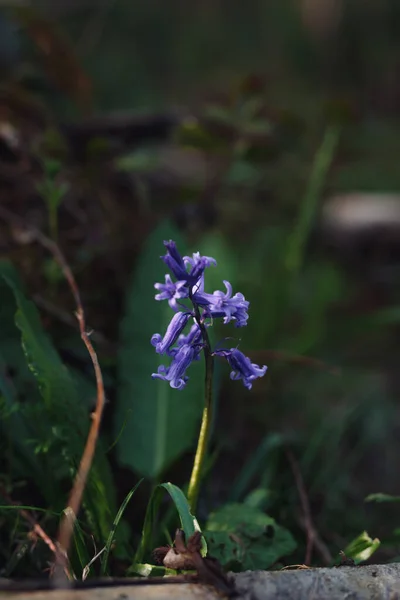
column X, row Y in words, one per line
column 268, row 134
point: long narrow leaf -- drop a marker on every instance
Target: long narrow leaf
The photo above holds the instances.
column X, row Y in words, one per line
column 117, row 519
column 322, row 162
column 58, row 422
column 155, row 423
column 189, row 523
column 82, row 557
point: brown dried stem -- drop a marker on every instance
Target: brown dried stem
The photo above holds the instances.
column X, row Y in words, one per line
column 36, row 528
column 313, row 539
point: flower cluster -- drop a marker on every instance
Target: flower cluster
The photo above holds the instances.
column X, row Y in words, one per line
column 188, row 289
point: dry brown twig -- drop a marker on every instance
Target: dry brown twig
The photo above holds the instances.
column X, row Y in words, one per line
column 67, row 319
column 313, row 539
column 76, row 494
column 36, row 528
column 186, row 555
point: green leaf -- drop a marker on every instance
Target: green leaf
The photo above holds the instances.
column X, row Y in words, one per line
column 362, row 547
column 322, row 162
column 158, row 423
column 17, row 383
column 43, row 360
column 258, row 498
column 148, row 570
column 268, row 303
column 139, row 161
column 243, row 173
column 189, row 523
column 80, row 557
column 117, row 519
column 382, row 498
column 57, row 422
column 17, row 507
column 242, row 537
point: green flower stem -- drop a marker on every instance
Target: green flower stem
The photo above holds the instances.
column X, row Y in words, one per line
column 322, row 163
column 202, row 444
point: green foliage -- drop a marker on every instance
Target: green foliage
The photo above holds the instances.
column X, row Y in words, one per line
column 256, row 463
column 139, row 161
column 18, row 419
column 290, row 312
column 52, row 192
column 382, row 498
column 308, row 209
column 81, row 556
column 362, row 547
column 162, row 422
column 299, row 306
column 115, row 524
column 258, row 498
column 242, row 537
column 54, row 381
column 148, row 570
column 188, row 522
column 46, row 434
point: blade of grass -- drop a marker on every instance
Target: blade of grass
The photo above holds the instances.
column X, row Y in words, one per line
column 322, row 162
column 114, row 527
column 25, row 507
column 36, row 528
column 81, row 551
column 19, row 553
column 382, row 498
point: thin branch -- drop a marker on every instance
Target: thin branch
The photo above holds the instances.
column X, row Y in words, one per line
column 36, row 528
column 76, row 494
column 67, row 319
column 313, row 539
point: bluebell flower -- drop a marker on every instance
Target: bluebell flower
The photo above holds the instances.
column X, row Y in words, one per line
column 183, row 349
column 225, row 305
column 193, row 338
column 174, row 261
column 176, row 372
column 198, row 264
column 172, row 291
column 242, row 367
column 174, row 330
column 178, row 265
column 196, row 259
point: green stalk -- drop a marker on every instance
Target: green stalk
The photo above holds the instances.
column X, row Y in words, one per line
column 322, row 162
column 202, row 444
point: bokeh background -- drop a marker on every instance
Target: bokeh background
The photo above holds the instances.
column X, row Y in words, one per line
column 265, row 134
